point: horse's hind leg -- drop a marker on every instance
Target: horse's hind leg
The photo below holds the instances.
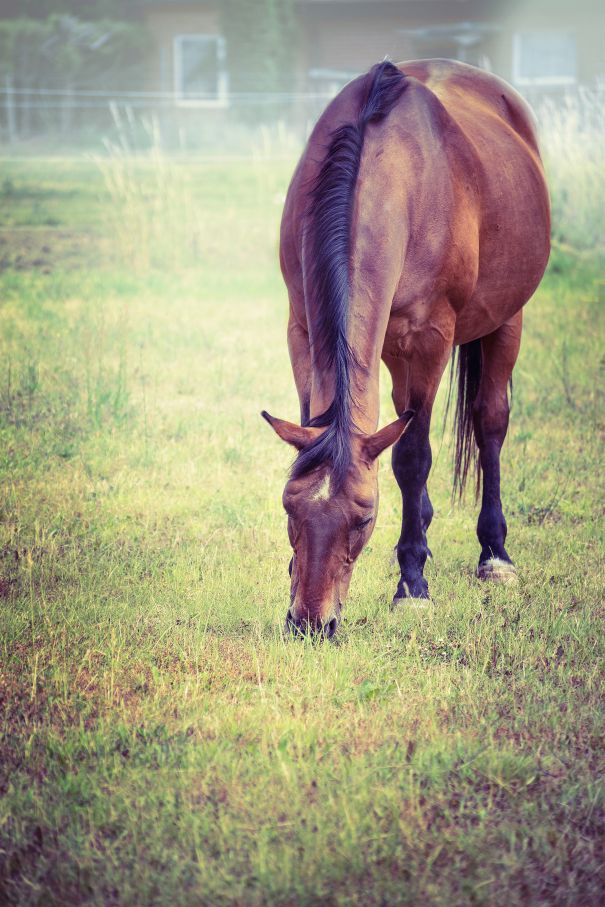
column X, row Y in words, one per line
column 490, row 420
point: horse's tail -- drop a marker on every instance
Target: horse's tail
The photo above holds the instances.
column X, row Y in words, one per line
column 328, row 228
column 467, row 363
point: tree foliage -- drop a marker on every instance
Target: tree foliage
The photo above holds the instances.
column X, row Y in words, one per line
column 65, row 51
column 83, row 9
column 261, row 39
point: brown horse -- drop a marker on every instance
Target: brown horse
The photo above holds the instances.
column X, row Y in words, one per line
column 417, row 221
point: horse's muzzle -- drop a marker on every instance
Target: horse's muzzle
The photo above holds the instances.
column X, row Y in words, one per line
column 317, row 628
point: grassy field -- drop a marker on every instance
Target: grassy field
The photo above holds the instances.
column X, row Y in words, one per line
column 160, row 742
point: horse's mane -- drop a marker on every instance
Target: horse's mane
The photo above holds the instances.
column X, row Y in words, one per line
column 328, row 234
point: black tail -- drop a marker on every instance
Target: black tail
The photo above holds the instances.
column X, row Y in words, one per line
column 329, row 229
column 467, row 362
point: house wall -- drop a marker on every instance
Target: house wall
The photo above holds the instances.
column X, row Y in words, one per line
column 350, row 36
column 354, row 35
column 164, row 23
column 584, row 18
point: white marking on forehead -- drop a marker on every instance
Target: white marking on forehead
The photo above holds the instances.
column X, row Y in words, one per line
column 322, row 492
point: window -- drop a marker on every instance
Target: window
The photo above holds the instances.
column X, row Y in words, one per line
column 544, row 58
column 200, row 76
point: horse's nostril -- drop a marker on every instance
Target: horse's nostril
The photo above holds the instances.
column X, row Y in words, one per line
column 330, row 628
column 293, row 626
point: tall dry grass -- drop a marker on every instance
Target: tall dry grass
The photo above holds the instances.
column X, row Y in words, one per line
column 572, row 132
column 152, row 217
column 157, row 219
column 157, row 216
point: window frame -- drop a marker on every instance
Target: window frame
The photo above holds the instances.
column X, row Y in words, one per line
column 222, row 95
column 544, row 81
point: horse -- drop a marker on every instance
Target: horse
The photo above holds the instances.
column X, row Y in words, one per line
column 416, row 227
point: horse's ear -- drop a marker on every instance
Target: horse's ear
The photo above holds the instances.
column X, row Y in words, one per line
column 373, row 445
column 298, row 436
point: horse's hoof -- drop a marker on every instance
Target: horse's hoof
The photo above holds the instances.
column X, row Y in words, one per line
column 497, row 570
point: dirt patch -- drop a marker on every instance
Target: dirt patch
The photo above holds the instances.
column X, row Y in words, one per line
column 46, row 249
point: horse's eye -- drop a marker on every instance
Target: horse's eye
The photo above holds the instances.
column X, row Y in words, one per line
column 362, row 525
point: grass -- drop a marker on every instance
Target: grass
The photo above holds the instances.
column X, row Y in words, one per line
column 160, row 742
column 573, row 136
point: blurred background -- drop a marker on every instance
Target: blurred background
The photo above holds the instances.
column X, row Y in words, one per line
column 208, row 71
column 248, row 78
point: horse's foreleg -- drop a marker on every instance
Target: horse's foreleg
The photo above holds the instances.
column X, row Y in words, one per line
column 490, row 419
column 426, row 518
column 415, row 383
column 426, row 515
column 411, row 465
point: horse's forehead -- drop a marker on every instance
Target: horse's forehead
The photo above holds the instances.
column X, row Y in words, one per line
column 314, row 495
column 323, row 491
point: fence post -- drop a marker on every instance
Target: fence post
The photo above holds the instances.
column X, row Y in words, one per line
column 10, row 110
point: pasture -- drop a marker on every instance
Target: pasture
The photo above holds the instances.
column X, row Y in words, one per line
column 160, row 741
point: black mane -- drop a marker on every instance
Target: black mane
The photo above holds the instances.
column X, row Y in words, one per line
column 328, row 228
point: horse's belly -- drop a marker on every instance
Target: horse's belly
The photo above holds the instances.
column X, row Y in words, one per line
column 508, row 276
column 514, row 245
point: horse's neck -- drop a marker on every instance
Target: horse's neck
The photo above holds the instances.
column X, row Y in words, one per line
column 363, row 387
column 368, row 324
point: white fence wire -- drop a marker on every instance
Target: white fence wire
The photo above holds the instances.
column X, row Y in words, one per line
column 85, row 116
column 238, row 122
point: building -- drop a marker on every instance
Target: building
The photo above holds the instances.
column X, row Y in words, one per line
column 540, row 46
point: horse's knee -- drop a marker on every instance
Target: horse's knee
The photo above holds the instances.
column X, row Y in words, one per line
column 412, row 459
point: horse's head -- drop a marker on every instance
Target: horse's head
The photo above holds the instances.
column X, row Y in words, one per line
column 328, row 524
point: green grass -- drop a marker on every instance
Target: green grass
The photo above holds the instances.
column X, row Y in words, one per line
column 160, row 742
